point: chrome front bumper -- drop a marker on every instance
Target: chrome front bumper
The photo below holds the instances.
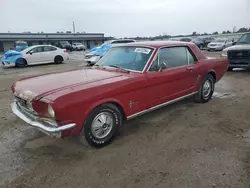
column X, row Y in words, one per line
column 47, row 128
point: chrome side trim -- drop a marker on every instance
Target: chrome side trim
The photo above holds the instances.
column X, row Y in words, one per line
column 45, row 127
column 159, row 106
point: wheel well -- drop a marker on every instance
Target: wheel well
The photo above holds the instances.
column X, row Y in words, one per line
column 120, row 109
column 20, row 59
column 213, row 74
column 58, row 56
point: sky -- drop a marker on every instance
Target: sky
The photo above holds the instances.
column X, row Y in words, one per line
column 124, row 18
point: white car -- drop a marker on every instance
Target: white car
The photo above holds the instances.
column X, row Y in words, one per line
column 219, row 44
column 39, row 54
column 78, row 46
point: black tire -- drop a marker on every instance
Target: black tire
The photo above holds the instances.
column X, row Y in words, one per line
column 200, row 97
column 21, row 63
column 230, row 69
column 58, row 59
column 87, row 132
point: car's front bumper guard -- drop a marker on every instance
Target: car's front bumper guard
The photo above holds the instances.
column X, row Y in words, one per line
column 44, row 127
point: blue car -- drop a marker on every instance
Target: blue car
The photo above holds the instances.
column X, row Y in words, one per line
column 20, row 45
column 96, row 53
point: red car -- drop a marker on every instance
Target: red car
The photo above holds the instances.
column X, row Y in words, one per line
column 130, row 80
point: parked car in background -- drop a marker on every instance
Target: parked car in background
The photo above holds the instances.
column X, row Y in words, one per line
column 97, row 53
column 20, row 45
column 78, row 46
column 219, row 44
column 199, row 42
column 186, row 39
column 207, row 40
column 63, row 45
column 173, row 39
column 130, row 80
column 239, row 54
column 38, row 54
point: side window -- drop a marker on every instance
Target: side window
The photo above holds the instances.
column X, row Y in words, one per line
column 36, row 50
column 191, row 59
column 49, row 48
column 173, row 56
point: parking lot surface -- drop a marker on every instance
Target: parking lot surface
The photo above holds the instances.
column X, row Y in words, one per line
column 183, row 145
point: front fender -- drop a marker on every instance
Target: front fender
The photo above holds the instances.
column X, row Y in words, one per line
column 11, row 59
column 102, row 101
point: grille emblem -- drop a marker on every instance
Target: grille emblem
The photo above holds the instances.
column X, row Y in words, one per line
column 239, row 54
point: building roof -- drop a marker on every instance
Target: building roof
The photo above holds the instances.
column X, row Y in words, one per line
column 50, row 36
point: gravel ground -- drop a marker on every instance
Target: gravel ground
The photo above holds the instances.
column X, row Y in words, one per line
column 182, row 145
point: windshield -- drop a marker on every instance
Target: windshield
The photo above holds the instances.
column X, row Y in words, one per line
column 127, row 57
column 245, row 39
column 64, row 43
column 21, row 44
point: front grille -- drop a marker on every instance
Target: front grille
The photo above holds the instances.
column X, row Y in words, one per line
column 88, row 56
column 22, row 102
column 239, row 54
column 24, row 106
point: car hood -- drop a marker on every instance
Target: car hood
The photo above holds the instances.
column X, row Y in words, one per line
column 49, row 85
column 12, row 55
column 238, row 47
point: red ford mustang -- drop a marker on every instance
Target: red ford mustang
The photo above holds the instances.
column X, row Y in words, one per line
column 128, row 81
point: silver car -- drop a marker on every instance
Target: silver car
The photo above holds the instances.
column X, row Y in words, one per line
column 219, row 44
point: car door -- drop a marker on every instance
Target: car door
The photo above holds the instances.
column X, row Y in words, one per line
column 49, row 54
column 34, row 56
column 176, row 80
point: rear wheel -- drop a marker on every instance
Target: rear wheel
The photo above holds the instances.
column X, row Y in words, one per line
column 206, row 91
column 20, row 63
column 58, row 59
column 102, row 125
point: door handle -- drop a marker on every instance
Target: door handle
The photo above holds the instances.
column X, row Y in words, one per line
column 190, row 68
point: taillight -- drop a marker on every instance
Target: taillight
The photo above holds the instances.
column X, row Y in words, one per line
column 65, row 51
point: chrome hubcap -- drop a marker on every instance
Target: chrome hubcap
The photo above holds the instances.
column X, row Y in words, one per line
column 207, row 88
column 102, row 125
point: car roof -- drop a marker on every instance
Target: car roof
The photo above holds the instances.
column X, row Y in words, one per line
column 158, row 44
column 42, row 45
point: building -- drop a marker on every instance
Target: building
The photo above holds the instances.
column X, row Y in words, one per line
column 7, row 40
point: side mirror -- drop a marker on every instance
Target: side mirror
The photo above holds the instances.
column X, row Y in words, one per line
column 233, row 43
column 31, row 52
column 162, row 67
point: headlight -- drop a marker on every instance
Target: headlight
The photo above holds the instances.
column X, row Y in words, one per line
column 51, row 111
column 223, row 54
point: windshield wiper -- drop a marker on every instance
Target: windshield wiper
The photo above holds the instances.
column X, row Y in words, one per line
column 116, row 66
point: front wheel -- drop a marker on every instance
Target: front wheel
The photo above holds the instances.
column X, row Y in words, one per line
column 102, row 125
column 21, row 63
column 206, row 91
